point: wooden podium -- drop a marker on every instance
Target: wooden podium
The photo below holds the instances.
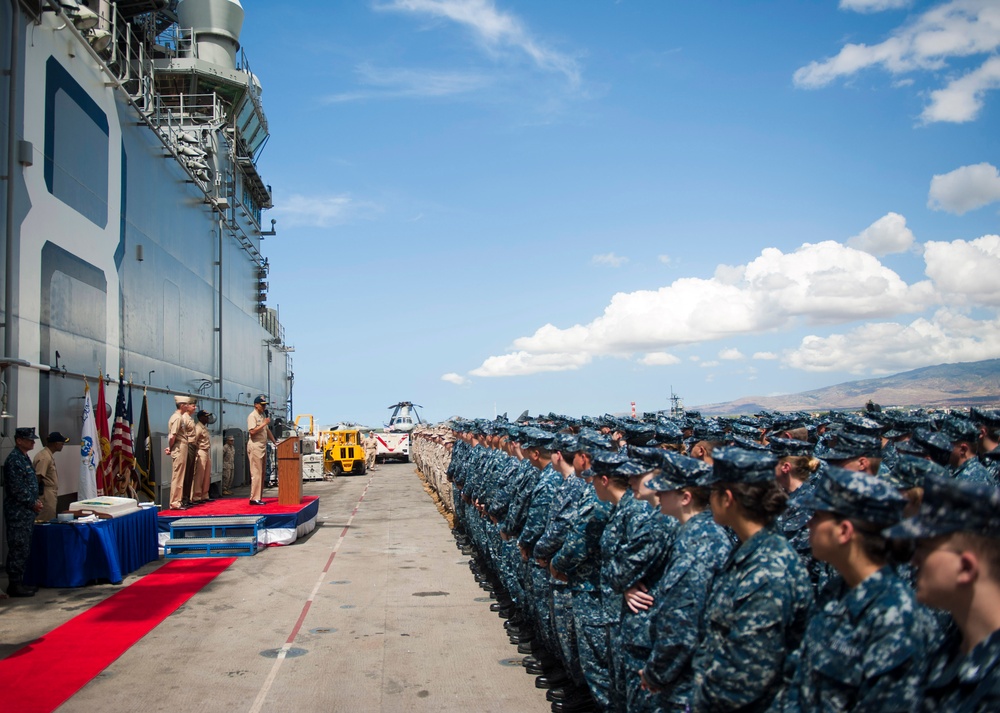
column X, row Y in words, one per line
column 289, row 471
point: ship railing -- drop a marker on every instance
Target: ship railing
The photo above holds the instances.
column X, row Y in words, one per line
column 186, row 110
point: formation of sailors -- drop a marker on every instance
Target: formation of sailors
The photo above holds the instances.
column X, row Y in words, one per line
column 775, row 562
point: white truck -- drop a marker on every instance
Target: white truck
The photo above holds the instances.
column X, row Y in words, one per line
column 392, row 445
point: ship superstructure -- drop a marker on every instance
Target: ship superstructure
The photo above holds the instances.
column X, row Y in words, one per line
column 133, row 215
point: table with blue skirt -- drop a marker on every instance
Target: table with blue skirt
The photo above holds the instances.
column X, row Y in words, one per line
column 72, row 554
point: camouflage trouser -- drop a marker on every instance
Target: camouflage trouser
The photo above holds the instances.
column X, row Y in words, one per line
column 592, row 644
column 638, row 700
column 562, row 617
column 510, row 571
column 20, row 525
column 617, row 695
column 541, row 596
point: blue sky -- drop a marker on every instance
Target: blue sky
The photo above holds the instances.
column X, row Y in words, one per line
column 500, row 205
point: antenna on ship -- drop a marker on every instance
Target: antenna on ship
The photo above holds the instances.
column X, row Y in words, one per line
column 676, row 404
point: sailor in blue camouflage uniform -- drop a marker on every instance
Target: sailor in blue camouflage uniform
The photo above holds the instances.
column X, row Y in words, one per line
column 700, row 550
column 964, row 460
column 988, row 422
column 638, row 598
column 20, row 503
column 957, row 533
column 632, row 547
column 867, row 651
column 928, row 443
column 578, row 562
column 537, row 445
column 564, row 503
column 798, row 473
column 511, row 475
column 762, row 599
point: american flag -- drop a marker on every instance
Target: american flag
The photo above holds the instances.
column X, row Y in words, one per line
column 122, row 456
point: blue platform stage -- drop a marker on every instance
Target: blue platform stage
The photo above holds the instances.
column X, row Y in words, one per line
column 283, row 524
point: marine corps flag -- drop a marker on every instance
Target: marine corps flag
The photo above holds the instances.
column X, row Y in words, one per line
column 144, row 457
column 90, row 451
column 122, row 460
column 104, row 473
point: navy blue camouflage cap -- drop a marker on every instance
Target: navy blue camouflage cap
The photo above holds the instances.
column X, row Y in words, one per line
column 960, row 429
column 651, row 457
column 935, row 444
column 739, row 465
column 902, row 424
column 606, row 462
column 634, row 467
column 638, row 432
column 910, row 472
column 566, row 443
column 532, row 437
column 952, row 505
column 985, row 416
column 846, row 445
column 668, row 432
column 748, row 443
column 591, row 441
column 856, row 495
column 743, row 429
column 679, row 472
column 783, row 447
column 856, row 423
column 25, row 432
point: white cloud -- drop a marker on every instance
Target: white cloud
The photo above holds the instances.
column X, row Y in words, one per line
column 965, row 272
column 962, row 99
column 659, row 359
column 394, row 83
column 731, row 355
column 322, row 211
column 872, row 5
column 665, row 259
column 453, row 378
column 523, row 364
column 965, row 189
column 609, row 259
column 495, row 30
column 887, row 347
column 708, row 364
column 955, row 29
column 765, row 356
column 823, row 282
column 886, row 235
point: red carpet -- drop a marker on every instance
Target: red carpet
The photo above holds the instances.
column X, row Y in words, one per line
column 48, row 671
column 238, row 506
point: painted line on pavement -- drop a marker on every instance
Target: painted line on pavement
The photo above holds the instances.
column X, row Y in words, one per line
column 269, row 681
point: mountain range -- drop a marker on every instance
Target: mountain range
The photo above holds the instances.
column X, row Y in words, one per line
column 942, row 386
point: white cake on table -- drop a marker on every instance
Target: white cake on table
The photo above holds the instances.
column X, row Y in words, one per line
column 106, row 505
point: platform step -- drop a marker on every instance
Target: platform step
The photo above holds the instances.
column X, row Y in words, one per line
column 187, row 547
column 209, row 521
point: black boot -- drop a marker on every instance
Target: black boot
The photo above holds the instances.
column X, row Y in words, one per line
column 554, row 679
column 16, row 589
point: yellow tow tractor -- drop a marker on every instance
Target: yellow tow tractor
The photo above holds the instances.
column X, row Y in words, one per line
column 343, row 452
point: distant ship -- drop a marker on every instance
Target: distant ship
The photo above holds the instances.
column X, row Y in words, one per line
column 133, row 216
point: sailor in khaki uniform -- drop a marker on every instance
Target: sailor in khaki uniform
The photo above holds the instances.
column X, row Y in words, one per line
column 180, row 432
column 258, row 435
column 48, row 479
column 203, row 459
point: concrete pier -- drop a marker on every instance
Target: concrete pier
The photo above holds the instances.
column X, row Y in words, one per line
column 376, row 610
